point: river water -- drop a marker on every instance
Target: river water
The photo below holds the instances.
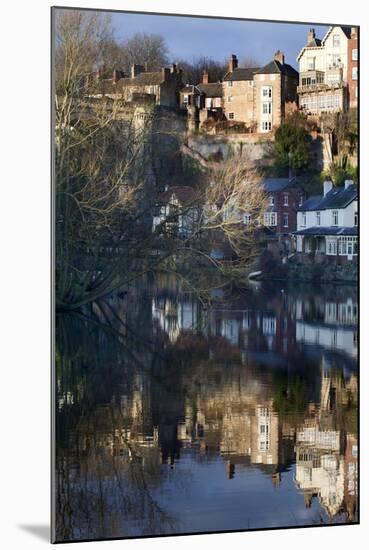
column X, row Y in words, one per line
column 175, row 417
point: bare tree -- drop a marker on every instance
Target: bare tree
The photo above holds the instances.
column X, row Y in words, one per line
column 193, row 70
column 149, row 50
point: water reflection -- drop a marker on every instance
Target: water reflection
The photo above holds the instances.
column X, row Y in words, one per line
column 173, row 417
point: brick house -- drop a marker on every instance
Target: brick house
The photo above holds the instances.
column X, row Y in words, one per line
column 285, row 196
column 163, row 86
column 352, row 68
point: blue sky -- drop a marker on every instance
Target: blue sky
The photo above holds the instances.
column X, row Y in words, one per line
column 188, row 37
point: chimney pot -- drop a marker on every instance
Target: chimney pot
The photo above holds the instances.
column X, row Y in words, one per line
column 165, row 74
column 205, row 78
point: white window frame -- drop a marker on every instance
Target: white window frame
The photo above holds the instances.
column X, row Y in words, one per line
column 356, row 217
column 335, row 217
column 230, row 83
column 354, row 55
column 270, row 219
column 247, row 219
column 317, row 216
column 267, row 92
column 354, row 73
column 303, row 219
column 285, row 219
column 285, row 199
column 331, row 246
column 230, row 116
column 336, row 41
column 271, row 200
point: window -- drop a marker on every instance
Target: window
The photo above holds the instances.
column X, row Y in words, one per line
column 270, row 218
column 354, row 55
column 230, row 83
column 354, row 73
column 271, row 200
column 231, row 116
column 208, row 102
column 317, row 215
column 331, row 247
column 311, row 63
column 230, row 98
column 247, row 219
column 303, row 220
column 285, row 199
column 267, row 108
column 355, row 218
column 336, row 41
column 185, row 99
column 285, row 220
column 266, row 91
column 334, row 217
column 266, row 126
column 301, row 200
column 347, row 246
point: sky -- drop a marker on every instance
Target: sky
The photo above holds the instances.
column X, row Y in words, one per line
column 191, row 37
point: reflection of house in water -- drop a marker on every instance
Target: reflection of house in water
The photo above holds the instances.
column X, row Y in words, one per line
column 330, row 324
column 326, row 458
column 175, row 315
column 351, row 476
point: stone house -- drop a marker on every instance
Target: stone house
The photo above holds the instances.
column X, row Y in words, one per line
column 275, row 87
column 238, row 93
column 163, row 86
column 327, row 225
column 324, row 71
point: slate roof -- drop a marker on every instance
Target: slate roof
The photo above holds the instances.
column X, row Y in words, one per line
column 189, row 89
column 338, row 197
column 213, row 89
column 275, row 67
column 184, row 193
column 316, row 42
column 142, row 79
column 272, row 185
column 318, row 230
column 241, row 74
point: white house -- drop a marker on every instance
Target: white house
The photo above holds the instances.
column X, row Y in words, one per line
column 327, row 225
column 323, row 68
column 178, row 211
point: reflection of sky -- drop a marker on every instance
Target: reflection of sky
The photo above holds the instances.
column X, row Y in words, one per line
column 189, row 37
column 249, row 499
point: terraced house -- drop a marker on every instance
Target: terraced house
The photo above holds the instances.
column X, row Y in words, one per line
column 328, row 71
column 327, row 225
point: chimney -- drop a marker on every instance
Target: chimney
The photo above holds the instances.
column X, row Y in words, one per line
column 205, row 78
column 353, row 32
column 327, row 186
column 117, row 75
column 136, row 70
column 348, row 183
column 165, row 74
column 279, row 56
column 233, row 63
column 311, row 35
column 173, row 68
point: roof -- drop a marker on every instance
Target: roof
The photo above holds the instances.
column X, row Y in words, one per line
column 337, row 197
column 275, row 67
column 318, row 230
column 189, row 89
column 184, row 193
column 345, row 30
column 272, row 185
column 142, row 79
column 241, row 74
column 213, row 89
column 314, row 43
